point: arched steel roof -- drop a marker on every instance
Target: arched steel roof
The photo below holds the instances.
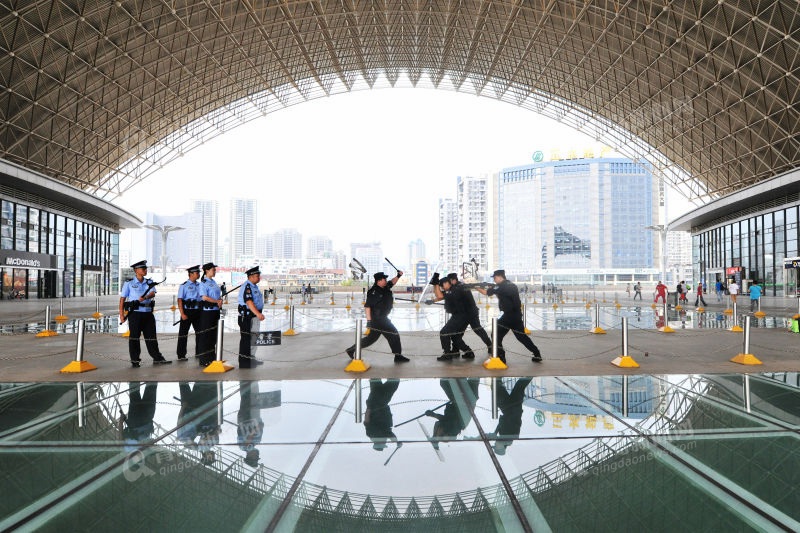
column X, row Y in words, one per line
column 100, row 93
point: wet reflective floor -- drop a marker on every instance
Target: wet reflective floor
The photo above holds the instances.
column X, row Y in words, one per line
column 607, row 453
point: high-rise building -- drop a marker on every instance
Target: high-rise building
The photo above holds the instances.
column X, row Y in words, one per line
column 209, row 224
column 474, row 198
column 578, row 220
column 370, row 255
column 319, row 246
column 244, row 219
column 288, row 244
column 416, row 252
column 265, row 246
column 448, row 234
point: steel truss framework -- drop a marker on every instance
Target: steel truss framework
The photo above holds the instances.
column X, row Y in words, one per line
column 100, row 94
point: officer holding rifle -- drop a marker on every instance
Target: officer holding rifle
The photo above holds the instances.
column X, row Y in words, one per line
column 136, row 306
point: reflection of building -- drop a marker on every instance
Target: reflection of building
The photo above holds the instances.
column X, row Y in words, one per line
column 56, row 241
column 578, row 220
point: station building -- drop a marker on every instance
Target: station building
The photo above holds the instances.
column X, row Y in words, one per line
column 55, row 240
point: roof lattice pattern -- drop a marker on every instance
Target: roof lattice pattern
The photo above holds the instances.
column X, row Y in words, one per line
column 99, row 93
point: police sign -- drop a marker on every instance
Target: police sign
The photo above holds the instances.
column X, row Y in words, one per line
column 268, row 338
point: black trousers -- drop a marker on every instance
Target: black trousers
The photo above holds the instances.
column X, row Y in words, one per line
column 699, row 298
column 142, row 323
column 246, row 339
column 382, row 326
column 208, row 335
column 475, row 324
column 451, row 336
column 193, row 320
column 513, row 322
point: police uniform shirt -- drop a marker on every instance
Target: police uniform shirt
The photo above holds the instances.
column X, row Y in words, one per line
column 507, row 296
column 135, row 289
column 466, row 302
column 452, row 302
column 210, row 288
column 380, row 300
column 189, row 292
column 249, row 291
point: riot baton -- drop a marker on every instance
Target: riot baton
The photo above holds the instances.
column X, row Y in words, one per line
column 390, row 264
column 420, row 416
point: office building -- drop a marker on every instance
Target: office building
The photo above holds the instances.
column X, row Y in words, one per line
column 319, row 246
column 448, row 234
column 244, row 218
column 209, row 224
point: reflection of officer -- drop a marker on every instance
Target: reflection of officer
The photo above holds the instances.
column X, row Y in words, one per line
column 136, row 297
column 189, row 308
column 510, row 421
column 378, row 421
column 508, row 300
column 471, row 308
column 251, row 302
column 141, row 410
column 251, row 427
column 211, row 295
column 377, row 307
column 196, row 416
column 454, row 419
column 451, row 335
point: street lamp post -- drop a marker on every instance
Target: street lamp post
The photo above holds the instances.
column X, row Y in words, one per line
column 164, row 230
column 663, row 229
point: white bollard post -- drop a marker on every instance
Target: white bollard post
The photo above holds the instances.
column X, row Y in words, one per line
column 358, row 407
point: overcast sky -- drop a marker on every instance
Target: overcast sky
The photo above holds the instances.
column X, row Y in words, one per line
column 363, row 166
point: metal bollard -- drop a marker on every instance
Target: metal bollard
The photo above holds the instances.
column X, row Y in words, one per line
column 746, row 340
column 494, row 399
column 736, row 327
column 597, row 329
column 79, row 345
column 291, row 330
column 359, row 329
column 81, row 404
column 358, row 407
column 47, row 318
column 220, row 328
column 624, row 360
column 624, row 336
column 746, row 358
column 494, row 336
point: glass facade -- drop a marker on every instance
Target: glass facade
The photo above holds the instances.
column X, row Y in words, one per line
column 86, row 254
column 750, row 248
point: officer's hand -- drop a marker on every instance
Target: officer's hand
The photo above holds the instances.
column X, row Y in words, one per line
column 434, row 279
column 428, row 413
column 399, row 273
column 260, row 316
column 219, row 302
column 428, row 301
column 184, row 316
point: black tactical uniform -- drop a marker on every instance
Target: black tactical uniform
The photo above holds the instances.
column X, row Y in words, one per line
column 451, row 335
column 508, row 300
column 380, row 302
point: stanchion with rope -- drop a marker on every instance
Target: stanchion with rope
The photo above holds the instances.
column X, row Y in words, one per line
column 665, row 328
column 97, row 313
column 47, row 332
column 218, row 366
column 596, row 329
column 625, row 360
column 736, row 327
column 79, row 365
column 494, row 362
column 61, row 317
column 746, row 358
column 289, row 332
column 357, row 364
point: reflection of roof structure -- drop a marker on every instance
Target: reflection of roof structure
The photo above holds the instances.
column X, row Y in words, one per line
column 99, row 93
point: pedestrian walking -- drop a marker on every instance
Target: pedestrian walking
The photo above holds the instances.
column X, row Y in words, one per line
column 719, row 288
column 637, row 290
column 733, row 289
column 755, row 295
column 661, row 292
column 628, row 290
column 699, row 293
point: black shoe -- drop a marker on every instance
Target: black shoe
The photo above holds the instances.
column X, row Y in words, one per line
column 203, row 365
column 401, row 359
column 351, row 353
column 445, row 357
column 182, row 358
column 136, row 364
column 161, row 361
column 251, row 364
column 468, row 355
column 536, row 358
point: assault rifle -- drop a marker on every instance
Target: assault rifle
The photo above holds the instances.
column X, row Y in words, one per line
column 133, row 305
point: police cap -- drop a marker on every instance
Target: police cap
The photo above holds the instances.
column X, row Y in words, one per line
column 195, row 268
column 379, row 276
column 501, row 273
column 209, row 266
column 140, row 264
column 255, row 270
column 447, row 280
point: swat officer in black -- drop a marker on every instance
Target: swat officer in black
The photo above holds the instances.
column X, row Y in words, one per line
column 508, row 300
column 378, row 420
column 189, row 308
column 377, row 308
column 452, row 334
column 471, row 308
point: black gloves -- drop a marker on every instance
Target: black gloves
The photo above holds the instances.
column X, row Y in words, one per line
column 434, row 279
column 399, row 273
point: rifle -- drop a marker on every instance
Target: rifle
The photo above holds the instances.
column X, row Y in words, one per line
column 221, row 296
column 130, row 306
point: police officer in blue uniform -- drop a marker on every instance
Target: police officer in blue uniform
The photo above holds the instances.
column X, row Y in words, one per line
column 189, row 308
column 377, row 308
column 508, row 300
column 251, row 302
column 211, row 297
column 136, row 298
